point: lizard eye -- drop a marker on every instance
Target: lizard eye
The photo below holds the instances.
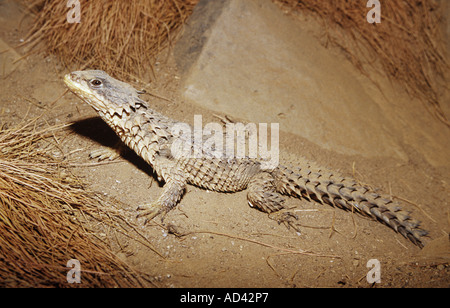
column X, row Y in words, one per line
column 96, row 83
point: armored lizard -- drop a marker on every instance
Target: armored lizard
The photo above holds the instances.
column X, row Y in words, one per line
column 149, row 134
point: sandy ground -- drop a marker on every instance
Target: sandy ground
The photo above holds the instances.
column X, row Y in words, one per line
column 227, row 243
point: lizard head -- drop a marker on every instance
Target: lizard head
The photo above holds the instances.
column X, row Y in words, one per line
column 103, row 92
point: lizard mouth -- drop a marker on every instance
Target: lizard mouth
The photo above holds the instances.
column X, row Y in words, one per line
column 76, row 84
column 73, row 82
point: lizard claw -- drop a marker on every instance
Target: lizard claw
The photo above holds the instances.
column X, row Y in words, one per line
column 150, row 211
column 289, row 219
column 109, row 153
column 104, row 154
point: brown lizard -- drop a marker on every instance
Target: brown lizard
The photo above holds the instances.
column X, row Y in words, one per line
column 149, row 134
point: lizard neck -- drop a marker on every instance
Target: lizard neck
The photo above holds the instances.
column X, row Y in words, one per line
column 144, row 130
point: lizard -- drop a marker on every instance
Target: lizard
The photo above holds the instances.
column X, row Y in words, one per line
column 149, row 133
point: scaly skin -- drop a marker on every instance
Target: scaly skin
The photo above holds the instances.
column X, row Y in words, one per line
column 149, row 134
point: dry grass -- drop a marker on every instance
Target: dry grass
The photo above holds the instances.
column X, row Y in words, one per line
column 407, row 44
column 121, row 37
column 48, row 218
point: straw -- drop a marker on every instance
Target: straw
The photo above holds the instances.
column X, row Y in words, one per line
column 121, row 37
column 47, row 217
column 407, row 43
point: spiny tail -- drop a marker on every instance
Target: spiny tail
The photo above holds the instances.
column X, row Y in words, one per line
column 327, row 188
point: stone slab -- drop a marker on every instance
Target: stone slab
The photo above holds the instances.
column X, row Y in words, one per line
column 248, row 59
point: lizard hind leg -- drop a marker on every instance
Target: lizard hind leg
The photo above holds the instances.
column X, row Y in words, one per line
column 262, row 194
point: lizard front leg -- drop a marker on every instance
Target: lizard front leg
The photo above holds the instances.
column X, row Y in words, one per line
column 173, row 190
column 109, row 153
